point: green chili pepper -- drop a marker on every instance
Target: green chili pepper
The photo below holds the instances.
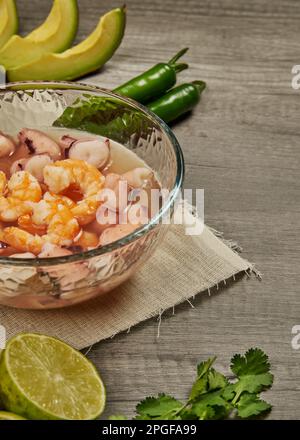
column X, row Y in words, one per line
column 155, row 81
column 178, row 101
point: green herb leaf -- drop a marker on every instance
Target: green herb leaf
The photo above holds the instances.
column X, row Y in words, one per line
column 211, row 406
column 157, row 407
column 216, row 380
column 202, row 383
column 213, row 396
column 253, row 373
column 255, row 361
column 250, row 405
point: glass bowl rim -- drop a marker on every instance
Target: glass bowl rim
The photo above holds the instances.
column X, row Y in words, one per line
column 138, row 233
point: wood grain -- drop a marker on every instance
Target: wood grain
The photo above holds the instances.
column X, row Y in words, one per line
column 242, row 147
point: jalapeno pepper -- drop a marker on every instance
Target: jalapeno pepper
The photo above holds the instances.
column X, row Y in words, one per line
column 155, row 81
column 178, row 101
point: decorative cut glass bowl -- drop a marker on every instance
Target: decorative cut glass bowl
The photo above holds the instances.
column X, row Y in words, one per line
column 45, row 283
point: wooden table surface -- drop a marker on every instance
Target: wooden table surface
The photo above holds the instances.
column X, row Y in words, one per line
column 242, row 147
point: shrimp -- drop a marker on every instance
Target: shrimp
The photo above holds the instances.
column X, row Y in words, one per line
column 25, row 222
column 51, row 197
column 23, row 186
column 21, row 189
column 37, row 222
column 61, row 228
column 87, row 240
column 22, row 240
column 3, row 182
column 67, row 173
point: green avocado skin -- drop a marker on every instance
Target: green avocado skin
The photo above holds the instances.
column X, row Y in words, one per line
column 52, row 67
column 74, row 28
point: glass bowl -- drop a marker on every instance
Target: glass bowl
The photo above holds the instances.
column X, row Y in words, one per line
column 45, row 283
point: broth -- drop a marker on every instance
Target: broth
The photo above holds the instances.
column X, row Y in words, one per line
column 82, row 193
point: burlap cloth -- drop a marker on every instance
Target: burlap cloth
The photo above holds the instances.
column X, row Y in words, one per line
column 182, row 267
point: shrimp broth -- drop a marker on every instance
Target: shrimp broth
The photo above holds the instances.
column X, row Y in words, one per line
column 67, row 191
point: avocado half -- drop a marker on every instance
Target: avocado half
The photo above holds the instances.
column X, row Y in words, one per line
column 9, row 22
column 56, row 34
column 86, row 57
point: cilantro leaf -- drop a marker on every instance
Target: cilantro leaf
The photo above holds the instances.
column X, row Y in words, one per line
column 202, row 382
column 251, row 384
column 204, row 367
column 250, row 405
column 253, row 373
column 255, row 361
column 212, row 396
column 211, row 406
column 209, row 380
column 156, row 407
column 216, row 380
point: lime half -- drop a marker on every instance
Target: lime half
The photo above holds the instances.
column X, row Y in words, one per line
column 9, row 416
column 42, row 378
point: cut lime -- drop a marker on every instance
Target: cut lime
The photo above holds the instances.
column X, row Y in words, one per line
column 9, row 416
column 42, row 378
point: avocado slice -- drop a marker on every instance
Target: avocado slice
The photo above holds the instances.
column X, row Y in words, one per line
column 9, row 22
column 56, row 34
column 89, row 55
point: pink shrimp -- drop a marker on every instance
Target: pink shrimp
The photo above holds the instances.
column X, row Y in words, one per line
column 60, row 224
column 67, row 173
column 17, row 195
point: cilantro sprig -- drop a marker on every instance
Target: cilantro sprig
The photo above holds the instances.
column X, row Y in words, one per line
column 213, row 396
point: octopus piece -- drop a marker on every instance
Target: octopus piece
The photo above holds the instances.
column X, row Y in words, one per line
column 38, row 142
column 138, row 177
column 18, row 165
column 92, row 151
column 36, row 164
